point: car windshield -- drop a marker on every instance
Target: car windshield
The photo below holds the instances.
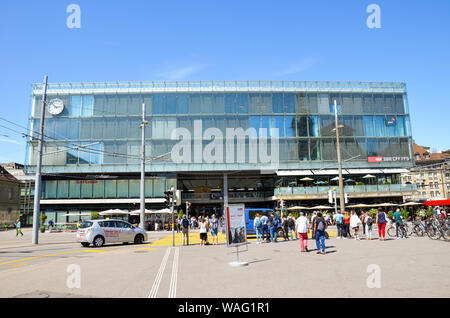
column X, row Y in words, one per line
column 86, row 224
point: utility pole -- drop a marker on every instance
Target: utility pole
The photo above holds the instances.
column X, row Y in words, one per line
column 172, row 207
column 338, row 149
column 142, row 194
column 37, row 189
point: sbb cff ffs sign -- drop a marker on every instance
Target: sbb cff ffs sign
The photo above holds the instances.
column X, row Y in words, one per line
column 381, row 159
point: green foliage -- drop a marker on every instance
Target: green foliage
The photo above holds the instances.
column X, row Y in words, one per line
column 95, row 215
column 180, row 214
column 43, row 217
column 373, row 214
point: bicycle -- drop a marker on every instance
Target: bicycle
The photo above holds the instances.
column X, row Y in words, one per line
column 392, row 230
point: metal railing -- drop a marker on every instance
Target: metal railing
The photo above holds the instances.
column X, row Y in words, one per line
column 348, row 189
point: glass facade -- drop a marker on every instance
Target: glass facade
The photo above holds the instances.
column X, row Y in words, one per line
column 108, row 126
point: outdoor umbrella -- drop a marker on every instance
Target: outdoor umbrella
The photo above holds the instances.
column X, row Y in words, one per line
column 349, row 180
column 368, row 176
column 162, row 211
column 321, row 182
column 321, row 207
column 138, row 212
column 411, row 203
column 335, row 179
column 306, row 179
column 359, row 206
column 113, row 212
column 297, row 208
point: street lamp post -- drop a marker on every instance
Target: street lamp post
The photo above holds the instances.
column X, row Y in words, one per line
column 338, row 149
column 142, row 194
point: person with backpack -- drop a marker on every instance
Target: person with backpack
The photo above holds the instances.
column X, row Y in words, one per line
column 369, row 222
column 265, row 228
column 291, row 221
column 381, row 222
column 285, row 227
column 258, row 226
column 320, row 226
column 301, row 227
column 214, row 225
column 185, row 229
column 273, row 227
column 339, row 221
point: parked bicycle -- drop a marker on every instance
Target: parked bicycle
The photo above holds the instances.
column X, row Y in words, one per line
column 403, row 229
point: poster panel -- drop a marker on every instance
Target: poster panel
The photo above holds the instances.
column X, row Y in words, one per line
column 236, row 229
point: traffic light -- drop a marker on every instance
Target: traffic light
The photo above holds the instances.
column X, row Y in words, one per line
column 167, row 198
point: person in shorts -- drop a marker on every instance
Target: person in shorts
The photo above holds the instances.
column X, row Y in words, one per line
column 203, row 226
column 214, row 226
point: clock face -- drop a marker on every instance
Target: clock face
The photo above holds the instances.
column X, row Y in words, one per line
column 55, row 106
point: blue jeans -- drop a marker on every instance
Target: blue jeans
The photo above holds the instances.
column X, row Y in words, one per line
column 258, row 234
column 320, row 239
column 273, row 233
column 292, row 229
column 265, row 232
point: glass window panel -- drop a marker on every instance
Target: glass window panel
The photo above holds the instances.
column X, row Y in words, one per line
column 302, row 126
column 122, row 128
column 242, row 103
column 135, row 105
column 277, row 103
column 171, row 182
column 329, row 149
column 302, row 107
column 289, row 103
column 290, row 126
column 98, row 189
column 96, row 154
column 372, row 147
column 63, row 189
column 380, row 126
column 86, row 128
column 368, row 104
column 50, row 189
column 134, row 129
column 74, row 189
column 314, row 149
column 110, row 188
column 135, row 188
column 75, row 106
column 230, row 103
column 219, row 103
column 87, row 105
column 278, row 122
column 159, row 101
column 314, row 127
column 207, row 103
column 171, row 104
column 149, row 188
column 195, row 104
column 369, row 128
column 159, row 186
column 86, row 190
column 183, row 103
column 303, row 150
column 148, row 100
column 399, row 106
column 327, row 124
column 72, row 156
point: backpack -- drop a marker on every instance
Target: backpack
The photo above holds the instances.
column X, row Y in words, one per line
column 185, row 223
column 258, row 223
column 321, row 225
column 215, row 224
column 291, row 222
column 273, row 221
column 369, row 221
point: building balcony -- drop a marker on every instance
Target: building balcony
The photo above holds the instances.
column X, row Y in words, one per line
column 355, row 191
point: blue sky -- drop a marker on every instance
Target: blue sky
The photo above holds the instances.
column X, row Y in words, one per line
column 144, row 40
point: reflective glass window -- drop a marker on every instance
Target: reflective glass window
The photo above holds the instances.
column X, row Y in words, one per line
column 290, row 126
column 110, row 189
column 159, row 102
column 98, row 189
column 63, row 189
column 171, row 104
column 86, row 190
column 74, row 189
column 314, row 149
column 289, row 103
column 183, row 104
column 303, row 150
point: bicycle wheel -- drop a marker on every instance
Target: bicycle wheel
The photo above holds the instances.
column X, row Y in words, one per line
column 408, row 229
column 431, row 232
column 391, row 231
column 418, row 231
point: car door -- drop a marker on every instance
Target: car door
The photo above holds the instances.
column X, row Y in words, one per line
column 126, row 231
column 112, row 232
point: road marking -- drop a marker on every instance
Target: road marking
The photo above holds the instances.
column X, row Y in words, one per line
column 155, row 287
column 174, row 279
column 35, row 257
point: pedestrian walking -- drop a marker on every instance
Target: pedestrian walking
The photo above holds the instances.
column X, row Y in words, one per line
column 257, row 225
column 313, row 219
column 273, row 227
column 347, row 225
column 265, row 228
column 381, row 222
column 18, row 228
column 203, row 226
column 291, row 221
column 320, row 226
column 339, row 221
column 368, row 222
column 185, row 230
column 301, row 227
column 363, row 216
column 285, row 227
column 399, row 224
column 214, row 225
column 50, row 226
column 355, row 223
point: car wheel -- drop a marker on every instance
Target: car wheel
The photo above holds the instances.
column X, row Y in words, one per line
column 139, row 239
column 85, row 244
column 99, row 241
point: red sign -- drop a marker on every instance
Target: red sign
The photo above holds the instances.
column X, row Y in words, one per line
column 375, row 159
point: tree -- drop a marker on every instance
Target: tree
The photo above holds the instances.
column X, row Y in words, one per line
column 95, row 215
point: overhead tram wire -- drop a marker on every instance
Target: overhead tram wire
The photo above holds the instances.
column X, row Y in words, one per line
column 78, row 146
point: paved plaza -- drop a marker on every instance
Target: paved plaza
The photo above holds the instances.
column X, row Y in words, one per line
column 60, row 267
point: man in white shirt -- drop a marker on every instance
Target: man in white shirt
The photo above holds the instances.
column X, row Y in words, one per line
column 301, row 227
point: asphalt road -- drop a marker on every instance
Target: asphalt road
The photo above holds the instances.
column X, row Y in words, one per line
column 60, row 267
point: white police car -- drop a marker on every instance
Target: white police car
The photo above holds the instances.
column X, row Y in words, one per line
column 100, row 232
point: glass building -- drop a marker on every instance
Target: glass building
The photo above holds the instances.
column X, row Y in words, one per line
column 92, row 148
